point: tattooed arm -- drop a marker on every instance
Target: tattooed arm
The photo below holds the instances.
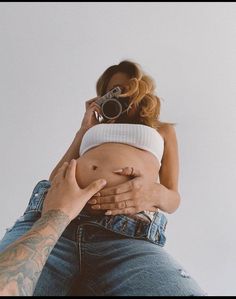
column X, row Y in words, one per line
column 21, row 263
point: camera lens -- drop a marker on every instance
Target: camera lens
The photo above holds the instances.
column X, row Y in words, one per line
column 111, row 109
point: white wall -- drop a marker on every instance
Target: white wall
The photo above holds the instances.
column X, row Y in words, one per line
column 51, row 55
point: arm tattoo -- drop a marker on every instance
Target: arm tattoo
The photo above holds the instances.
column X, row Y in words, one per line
column 22, row 262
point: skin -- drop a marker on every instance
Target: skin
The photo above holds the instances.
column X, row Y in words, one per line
column 22, row 262
column 141, row 193
column 138, row 192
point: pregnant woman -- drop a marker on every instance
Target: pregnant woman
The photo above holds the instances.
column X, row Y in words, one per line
column 115, row 245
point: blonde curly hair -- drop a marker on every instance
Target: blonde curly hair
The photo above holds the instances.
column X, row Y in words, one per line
column 141, row 92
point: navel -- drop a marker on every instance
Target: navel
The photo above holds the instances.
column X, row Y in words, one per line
column 94, row 167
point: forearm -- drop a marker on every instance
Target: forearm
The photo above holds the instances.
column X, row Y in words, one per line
column 72, row 152
column 167, row 200
column 22, row 262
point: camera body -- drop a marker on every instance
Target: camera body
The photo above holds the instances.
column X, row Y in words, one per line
column 111, row 106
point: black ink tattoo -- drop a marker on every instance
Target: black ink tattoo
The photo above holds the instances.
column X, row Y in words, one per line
column 22, row 262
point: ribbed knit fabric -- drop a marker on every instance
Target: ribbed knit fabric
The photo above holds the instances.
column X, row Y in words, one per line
column 137, row 135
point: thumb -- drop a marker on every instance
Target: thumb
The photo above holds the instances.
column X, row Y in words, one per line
column 94, row 187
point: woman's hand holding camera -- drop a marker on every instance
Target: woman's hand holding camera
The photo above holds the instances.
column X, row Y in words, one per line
column 90, row 118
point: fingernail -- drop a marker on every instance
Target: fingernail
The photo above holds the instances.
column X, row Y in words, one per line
column 108, row 213
column 119, row 170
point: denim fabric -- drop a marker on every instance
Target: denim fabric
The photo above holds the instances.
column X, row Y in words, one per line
column 106, row 255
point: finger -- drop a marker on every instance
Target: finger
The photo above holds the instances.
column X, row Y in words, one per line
column 111, row 198
column 63, row 167
column 92, row 109
column 95, row 107
column 124, row 187
column 114, row 206
column 92, row 100
column 94, row 104
column 70, row 171
column 61, row 172
column 128, row 171
column 94, row 187
column 127, row 211
column 88, row 103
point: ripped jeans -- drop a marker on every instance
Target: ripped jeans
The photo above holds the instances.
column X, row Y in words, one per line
column 106, row 256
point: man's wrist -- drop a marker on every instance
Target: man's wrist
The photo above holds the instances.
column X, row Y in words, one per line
column 57, row 219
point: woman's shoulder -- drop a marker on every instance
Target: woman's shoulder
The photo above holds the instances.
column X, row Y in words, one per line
column 167, row 131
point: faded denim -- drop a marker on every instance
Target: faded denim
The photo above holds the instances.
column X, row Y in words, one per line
column 106, row 256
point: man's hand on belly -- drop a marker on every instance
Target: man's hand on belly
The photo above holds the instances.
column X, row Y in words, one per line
column 129, row 198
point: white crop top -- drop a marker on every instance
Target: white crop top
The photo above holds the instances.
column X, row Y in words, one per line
column 137, row 135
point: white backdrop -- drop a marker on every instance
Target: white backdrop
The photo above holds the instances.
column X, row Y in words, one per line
column 51, row 55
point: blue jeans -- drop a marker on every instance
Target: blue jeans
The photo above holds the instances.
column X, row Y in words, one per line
column 106, row 255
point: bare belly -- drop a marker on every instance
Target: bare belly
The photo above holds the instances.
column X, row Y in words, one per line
column 100, row 161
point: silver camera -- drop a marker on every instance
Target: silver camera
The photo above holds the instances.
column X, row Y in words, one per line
column 111, row 106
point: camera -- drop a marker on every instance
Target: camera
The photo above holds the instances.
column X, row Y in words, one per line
column 111, row 106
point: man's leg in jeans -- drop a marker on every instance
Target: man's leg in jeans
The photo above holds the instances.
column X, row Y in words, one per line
column 126, row 267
